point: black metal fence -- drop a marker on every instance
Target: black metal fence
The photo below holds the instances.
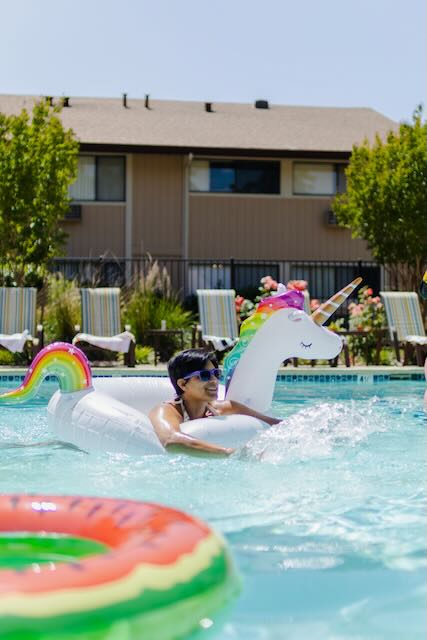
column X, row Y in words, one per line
column 187, row 275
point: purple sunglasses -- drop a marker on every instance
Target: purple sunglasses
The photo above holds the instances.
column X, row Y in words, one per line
column 204, row 375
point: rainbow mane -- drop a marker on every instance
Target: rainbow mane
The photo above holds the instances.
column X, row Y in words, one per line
column 61, row 359
column 251, row 325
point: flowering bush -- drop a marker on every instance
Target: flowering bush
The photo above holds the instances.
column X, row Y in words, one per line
column 367, row 314
column 268, row 284
column 297, row 285
column 314, row 304
column 244, row 308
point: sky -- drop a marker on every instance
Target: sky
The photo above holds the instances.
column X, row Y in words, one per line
column 343, row 53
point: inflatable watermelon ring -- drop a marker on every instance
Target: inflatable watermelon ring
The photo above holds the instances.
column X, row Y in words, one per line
column 100, row 566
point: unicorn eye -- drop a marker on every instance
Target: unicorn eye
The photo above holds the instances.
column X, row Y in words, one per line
column 305, row 346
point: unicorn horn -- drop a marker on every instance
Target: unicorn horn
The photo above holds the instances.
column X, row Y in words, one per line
column 325, row 310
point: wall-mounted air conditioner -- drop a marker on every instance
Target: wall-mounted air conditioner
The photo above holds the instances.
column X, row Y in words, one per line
column 331, row 219
column 74, row 212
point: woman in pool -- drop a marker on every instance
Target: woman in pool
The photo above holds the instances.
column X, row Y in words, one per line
column 194, row 374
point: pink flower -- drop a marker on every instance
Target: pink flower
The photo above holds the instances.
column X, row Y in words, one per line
column 357, row 310
column 314, row 304
column 297, row 285
column 238, row 302
column 268, row 283
column 368, row 292
column 266, row 279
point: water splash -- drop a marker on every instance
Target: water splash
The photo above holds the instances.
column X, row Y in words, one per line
column 315, row 432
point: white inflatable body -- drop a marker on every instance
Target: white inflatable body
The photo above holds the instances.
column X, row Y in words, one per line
column 113, row 417
column 111, row 414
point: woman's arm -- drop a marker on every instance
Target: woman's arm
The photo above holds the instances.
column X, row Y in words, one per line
column 231, row 407
column 167, row 425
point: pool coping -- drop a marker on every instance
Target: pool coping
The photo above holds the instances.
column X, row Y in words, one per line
column 287, row 374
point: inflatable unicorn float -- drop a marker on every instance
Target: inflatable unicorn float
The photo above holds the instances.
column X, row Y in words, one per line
column 110, row 414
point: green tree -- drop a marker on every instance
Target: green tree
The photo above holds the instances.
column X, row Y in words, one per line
column 386, row 200
column 38, row 161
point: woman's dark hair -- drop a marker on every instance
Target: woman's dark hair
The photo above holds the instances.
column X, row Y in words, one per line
column 185, row 362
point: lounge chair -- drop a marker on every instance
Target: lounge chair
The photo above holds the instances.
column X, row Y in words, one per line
column 218, row 319
column 405, row 324
column 101, row 323
column 18, row 321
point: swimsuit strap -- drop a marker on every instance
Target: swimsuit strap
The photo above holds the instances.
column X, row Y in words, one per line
column 179, row 404
column 210, row 411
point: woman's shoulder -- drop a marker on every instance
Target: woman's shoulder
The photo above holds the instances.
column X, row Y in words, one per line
column 167, row 408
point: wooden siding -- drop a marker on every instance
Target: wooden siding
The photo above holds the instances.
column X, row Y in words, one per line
column 101, row 229
column 252, row 227
column 157, row 204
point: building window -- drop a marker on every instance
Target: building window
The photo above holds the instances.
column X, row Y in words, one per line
column 99, row 178
column 318, row 179
column 235, row 176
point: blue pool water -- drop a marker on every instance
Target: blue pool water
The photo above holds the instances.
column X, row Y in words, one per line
column 325, row 514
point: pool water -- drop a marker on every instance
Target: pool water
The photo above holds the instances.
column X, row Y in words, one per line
column 325, row 514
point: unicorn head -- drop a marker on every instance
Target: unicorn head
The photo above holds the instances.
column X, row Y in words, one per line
column 278, row 330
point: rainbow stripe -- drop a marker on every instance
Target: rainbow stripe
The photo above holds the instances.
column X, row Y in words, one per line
column 149, row 571
column 265, row 309
column 61, row 359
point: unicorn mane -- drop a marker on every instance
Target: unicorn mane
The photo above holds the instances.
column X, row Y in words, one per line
column 61, row 359
column 250, row 326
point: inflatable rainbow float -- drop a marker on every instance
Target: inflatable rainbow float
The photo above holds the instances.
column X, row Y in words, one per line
column 96, row 568
column 112, row 413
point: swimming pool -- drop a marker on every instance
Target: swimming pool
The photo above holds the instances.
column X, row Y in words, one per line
column 325, row 515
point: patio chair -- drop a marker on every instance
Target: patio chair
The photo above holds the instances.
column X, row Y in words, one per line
column 18, row 321
column 101, row 323
column 405, row 324
column 218, row 319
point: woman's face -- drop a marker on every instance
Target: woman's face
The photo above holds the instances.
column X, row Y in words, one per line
column 196, row 389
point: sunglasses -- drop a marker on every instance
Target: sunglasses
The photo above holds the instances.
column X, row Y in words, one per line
column 205, row 375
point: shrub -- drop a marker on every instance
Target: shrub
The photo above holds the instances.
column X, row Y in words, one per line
column 145, row 311
column 6, row 357
column 151, row 301
column 144, row 355
column 62, row 311
column 366, row 315
column 244, row 308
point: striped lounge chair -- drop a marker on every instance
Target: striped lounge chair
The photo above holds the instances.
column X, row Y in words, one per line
column 218, row 319
column 405, row 324
column 101, row 323
column 18, row 320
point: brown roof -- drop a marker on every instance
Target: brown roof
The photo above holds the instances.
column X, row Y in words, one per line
column 187, row 125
